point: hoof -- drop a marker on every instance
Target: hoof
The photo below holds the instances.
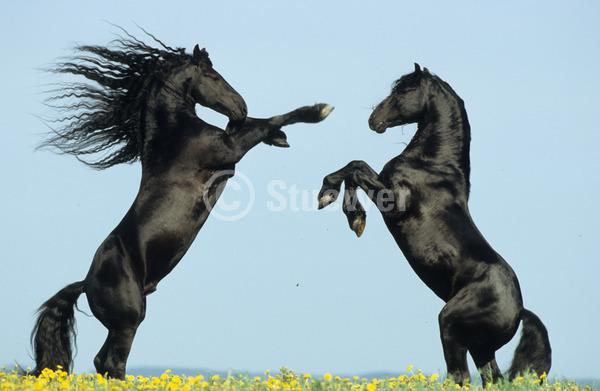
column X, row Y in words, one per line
column 325, row 111
column 358, row 226
column 326, row 200
column 277, row 138
column 278, row 142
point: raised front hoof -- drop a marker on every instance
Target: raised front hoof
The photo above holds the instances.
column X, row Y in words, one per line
column 280, row 143
column 358, row 226
column 277, row 139
column 326, row 200
column 277, row 142
column 325, row 110
column 316, row 113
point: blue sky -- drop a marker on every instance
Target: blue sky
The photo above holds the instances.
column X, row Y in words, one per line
column 282, row 284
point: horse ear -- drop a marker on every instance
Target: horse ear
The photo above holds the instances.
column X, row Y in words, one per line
column 417, row 68
column 197, row 56
column 426, row 70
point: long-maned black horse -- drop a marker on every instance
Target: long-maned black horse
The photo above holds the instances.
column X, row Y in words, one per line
column 142, row 107
column 422, row 195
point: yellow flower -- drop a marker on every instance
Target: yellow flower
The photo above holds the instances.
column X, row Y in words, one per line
column 328, row 377
column 100, row 379
column 371, row 387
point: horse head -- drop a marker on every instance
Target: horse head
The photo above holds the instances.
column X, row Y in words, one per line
column 210, row 89
column 406, row 104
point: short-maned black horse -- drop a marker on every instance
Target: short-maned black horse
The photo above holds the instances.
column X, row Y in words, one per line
column 422, row 195
column 142, row 106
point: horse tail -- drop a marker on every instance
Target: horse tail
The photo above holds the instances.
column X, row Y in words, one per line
column 533, row 352
column 54, row 330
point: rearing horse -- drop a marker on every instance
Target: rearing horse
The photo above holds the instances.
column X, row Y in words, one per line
column 144, row 104
column 422, row 195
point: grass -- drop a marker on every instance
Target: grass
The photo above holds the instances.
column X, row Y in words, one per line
column 287, row 380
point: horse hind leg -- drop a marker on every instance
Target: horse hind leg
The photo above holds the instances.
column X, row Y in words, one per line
column 480, row 319
column 111, row 360
column 455, row 351
column 487, row 366
column 117, row 301
column 125, row 311
column 122, row 321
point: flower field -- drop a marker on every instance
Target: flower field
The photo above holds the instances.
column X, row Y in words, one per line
column 287, row 380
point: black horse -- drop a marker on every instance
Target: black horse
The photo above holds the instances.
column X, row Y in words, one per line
column 143, row 107
column 422, row 195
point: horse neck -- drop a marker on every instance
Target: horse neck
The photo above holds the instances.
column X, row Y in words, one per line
column 443, row 135
column 164, row 115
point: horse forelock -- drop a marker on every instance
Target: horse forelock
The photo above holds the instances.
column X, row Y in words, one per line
column 409, row 80
column 106, row 117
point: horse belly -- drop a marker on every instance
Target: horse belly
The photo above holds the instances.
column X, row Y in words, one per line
column 435, row 274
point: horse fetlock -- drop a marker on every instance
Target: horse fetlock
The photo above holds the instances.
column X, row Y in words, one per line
column 277, row 121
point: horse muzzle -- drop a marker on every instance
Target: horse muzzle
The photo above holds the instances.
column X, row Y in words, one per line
column 377, row 125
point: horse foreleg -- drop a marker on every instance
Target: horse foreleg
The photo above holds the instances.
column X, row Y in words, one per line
column 354, row 211
column 355, row 174
column 307, row 114
column 245, row 135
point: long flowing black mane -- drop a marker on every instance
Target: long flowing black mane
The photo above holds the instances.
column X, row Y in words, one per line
column 106, row 118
